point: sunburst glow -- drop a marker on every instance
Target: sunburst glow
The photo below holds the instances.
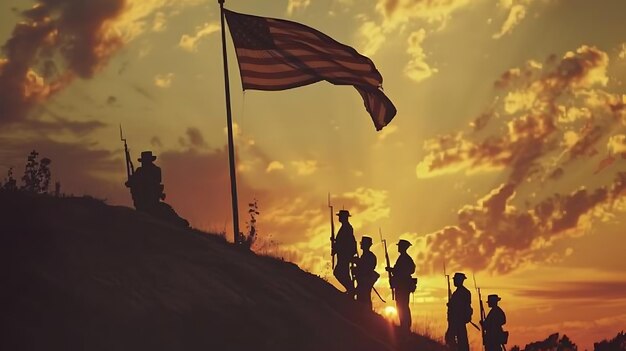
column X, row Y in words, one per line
column 390, row 312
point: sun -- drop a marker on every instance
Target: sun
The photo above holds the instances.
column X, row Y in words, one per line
column 390, row 312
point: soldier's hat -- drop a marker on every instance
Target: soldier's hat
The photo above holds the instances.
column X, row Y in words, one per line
column 146, row 156
column 366, row 240
column 459, row 275
column 343, row 213
column 493, row 297
column 403, row 243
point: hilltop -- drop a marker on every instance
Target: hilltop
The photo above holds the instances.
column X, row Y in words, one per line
column 80, row 274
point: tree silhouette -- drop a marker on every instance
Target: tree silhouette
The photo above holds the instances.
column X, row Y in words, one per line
column 552, row 343
column 618, row 343
column 30, row 179
column 37, row 174
column 10, row 183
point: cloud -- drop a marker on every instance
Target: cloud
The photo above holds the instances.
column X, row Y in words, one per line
column 535, row 139
column 274, row 166
column 398, row 12
column 190, row 42
column 517, row 12
column 297, row 5
column 417, row 69
column 58, row 41
column 374, row 37
column 385, row 133
column 496, row 235
column 156, row 141
column 163, row 80
column 530, row 105
column 80, row 34
column 193, row 139
column 160, row 22
column 305, row 167
column 622, row 52
column 578, row 290
column 395, row 15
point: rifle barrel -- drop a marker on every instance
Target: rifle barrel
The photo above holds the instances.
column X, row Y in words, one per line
column 332, row 234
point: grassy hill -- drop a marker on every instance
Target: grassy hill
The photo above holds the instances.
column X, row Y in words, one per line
column 78, row 274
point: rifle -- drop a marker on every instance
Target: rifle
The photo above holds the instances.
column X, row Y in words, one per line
column 332, row 233
column 448, row 338
column 130, row 169
column 482, row 310
column 393, row 296
column 448, row 280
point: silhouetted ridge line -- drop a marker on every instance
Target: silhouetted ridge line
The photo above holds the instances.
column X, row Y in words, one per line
column 80, row 274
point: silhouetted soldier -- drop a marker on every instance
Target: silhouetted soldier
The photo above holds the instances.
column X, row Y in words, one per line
column 459, row 314
column 345, row 248
column 145, row 184
column 495, row 336
column 403, row 283
column 365, row 273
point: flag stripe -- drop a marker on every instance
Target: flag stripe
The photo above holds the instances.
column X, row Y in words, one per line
column 269, row 66
column 268, row 57
column 252, row 84
column 283, row 39
column 328, row 74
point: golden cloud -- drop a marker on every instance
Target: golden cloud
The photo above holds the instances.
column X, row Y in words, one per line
column 190, row 42
column 274, row 166
column 297, row 5
column 305, row 167
column 417, row 69
column 534, row 139
column 163, row 80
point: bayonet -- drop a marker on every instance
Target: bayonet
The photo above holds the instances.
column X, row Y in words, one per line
column 130, row 169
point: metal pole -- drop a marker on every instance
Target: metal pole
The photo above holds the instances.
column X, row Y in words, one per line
column 231, row 142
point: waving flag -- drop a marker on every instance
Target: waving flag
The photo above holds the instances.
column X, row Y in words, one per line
column 277, row 54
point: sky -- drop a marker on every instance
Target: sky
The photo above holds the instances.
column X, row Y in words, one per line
column 506, row 158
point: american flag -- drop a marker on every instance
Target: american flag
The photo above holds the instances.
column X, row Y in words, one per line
column 277, row 54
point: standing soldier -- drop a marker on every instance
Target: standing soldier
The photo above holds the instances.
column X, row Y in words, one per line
column 459, row 314
column 495, row 336
column 145, row 184
column 403, row 283
column 365, row 273
column 345, row 248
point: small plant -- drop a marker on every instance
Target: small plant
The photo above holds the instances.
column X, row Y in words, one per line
column 248, row 239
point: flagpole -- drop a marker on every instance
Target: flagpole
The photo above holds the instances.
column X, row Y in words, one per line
column 231, row 143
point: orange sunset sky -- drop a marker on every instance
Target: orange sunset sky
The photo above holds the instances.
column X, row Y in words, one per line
column 507, row 156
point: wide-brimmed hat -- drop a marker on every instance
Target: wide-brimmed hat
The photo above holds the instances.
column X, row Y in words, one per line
column 459, row 275
column 343, row 213
column 403, row 243
column 366, row 240
column 493, row 297
column 146, row 156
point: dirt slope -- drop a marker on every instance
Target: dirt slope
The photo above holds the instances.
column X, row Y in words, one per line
column 81, row 275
